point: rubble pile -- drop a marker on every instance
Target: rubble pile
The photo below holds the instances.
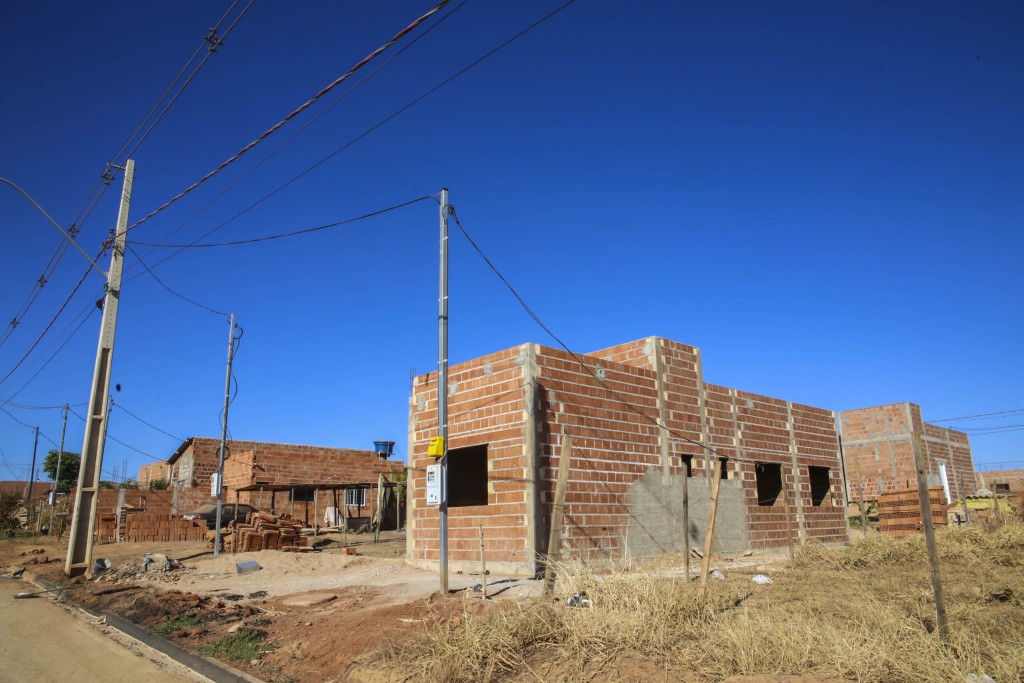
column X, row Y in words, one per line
column 263, row 531
column 151, row 567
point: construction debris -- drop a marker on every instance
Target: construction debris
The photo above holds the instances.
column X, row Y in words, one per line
column 263, row 531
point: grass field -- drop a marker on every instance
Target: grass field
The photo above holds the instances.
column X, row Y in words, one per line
column 859, row 613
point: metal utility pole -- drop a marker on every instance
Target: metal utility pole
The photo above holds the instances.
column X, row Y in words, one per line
column 442, row 385
column 32, row 471
column 60, row 454
column 224, row 433
column 83, row 523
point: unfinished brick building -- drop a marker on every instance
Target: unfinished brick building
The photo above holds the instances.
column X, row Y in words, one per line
column 282, row 478
column 508, row 412
column 1001, row 482
column 878, row 447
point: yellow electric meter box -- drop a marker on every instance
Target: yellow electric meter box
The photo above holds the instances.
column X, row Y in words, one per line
column 436, row 447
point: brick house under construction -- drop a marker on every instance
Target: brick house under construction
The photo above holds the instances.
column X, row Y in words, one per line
column 878, row 448
column 509, row 410
column 281, row 478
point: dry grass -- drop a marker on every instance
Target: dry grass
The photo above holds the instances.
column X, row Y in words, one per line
column 864, row 613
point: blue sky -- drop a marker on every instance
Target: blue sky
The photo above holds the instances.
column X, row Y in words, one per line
column 826, row 198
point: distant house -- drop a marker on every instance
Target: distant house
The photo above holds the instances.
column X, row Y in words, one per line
column 1002, row 482
column 878, row 451
column 281, row 478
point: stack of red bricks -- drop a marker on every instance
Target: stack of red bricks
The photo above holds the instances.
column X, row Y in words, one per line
column 263, row 531
column 899, row 512
column 139, row 526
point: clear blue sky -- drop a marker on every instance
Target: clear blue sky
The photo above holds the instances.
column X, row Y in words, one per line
column 826, row 198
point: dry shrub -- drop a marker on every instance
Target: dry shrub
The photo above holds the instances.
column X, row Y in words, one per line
column 863, row 612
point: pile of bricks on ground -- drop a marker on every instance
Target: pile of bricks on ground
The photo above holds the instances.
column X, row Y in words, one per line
column 899, row 512
column 135, row 525
column 263, row 531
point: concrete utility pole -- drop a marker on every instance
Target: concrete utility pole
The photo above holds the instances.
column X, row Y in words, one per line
column 60, row 454
column 32, row 471
column 442, row 385
column 83, row 523
column 224, row 433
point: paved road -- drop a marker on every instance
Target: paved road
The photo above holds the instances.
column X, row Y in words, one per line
column 41, row 641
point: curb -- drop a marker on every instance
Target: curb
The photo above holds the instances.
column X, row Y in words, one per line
column 212, row 669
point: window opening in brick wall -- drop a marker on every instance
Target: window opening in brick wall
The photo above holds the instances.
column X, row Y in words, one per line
column 1001, row 488
column 467, row 476
column 687, row 462
column 769, row 482
column 355, row 497
column 821, row 484
column 724, row 464
column 300, row 495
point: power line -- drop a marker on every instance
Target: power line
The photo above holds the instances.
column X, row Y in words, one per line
column 302, row 128
column 175, row 293
column 979, row 415
column 116, row 440
column 211, row 42
column 294, row 233
column 611, row 392
column 60, row 348
column 989, row 429
column 48, row 326
column 997, row 431
column 148, row 424
column 377, row 125
column 277, row 126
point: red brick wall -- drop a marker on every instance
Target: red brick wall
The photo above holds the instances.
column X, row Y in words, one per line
column 614, row 446
column 486, row 405
column 153, row 471
column 878, row 443
column 156, row 519
column 1013, row 478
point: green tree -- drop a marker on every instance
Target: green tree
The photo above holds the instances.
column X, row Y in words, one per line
column 68, row 469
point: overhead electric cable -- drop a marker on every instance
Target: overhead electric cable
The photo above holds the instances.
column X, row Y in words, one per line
column 60, row 348
column 211, row 42
column 979, row 415
column 215, row 41
column 48, row 326
column 116, row 440
column 306, row 125
column 277, row 126
column 377, row 125
column 177, row 294
column 148, row 424
column 611, row 392
column 294, row 233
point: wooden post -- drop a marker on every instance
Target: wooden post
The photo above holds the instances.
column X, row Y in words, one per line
column 344, row 517
column 705, row 565
column 555, row 538
column 863, row 510
column 785, row 511
column 686, row 520
column 929, row 536
column 316, row 512
column 483, row 564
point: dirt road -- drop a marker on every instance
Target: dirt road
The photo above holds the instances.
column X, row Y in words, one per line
column 43, row 642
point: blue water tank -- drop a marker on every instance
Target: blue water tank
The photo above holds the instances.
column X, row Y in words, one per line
column 384, row 448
